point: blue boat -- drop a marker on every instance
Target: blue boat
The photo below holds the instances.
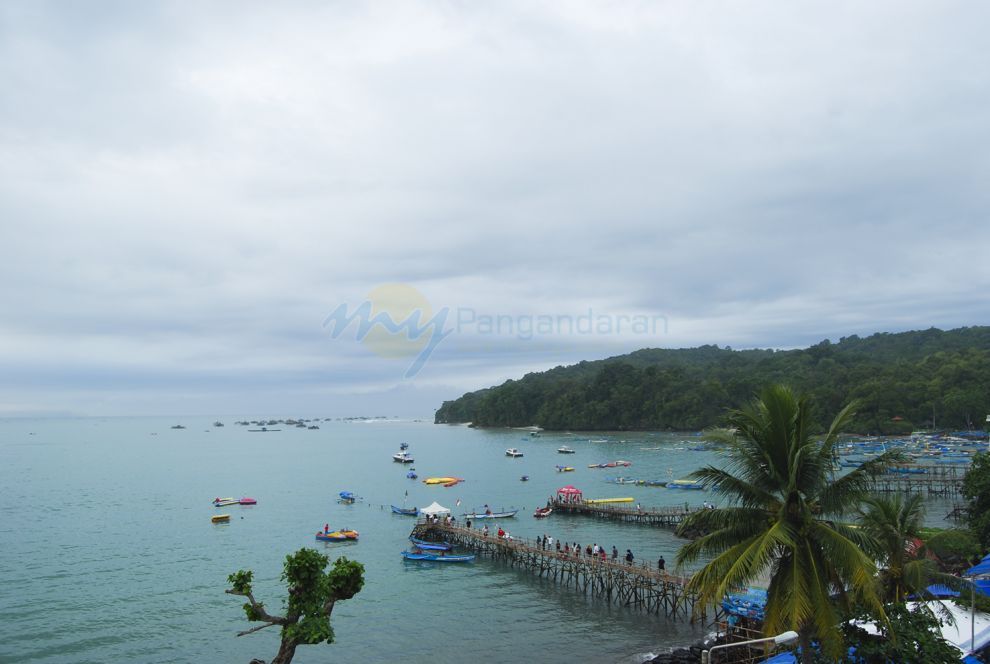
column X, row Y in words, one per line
column 346, row 497
column 412, row 474
column 437, row 557
column 405, row 511
column 431, row 546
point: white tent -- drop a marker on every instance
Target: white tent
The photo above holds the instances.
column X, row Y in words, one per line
column 435, row 509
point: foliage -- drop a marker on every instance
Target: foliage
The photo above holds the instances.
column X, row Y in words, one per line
column 893, row 525
column 905, row 636
column 313, row 592
column 976, row 489
column 954, row 548
column 912, row 375
column 781, row 484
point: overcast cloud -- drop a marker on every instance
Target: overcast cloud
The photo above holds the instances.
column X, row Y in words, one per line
column 188, row 190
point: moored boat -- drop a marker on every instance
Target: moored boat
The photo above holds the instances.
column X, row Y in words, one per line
column 224, row 502
column 440, row 557
column 441, row 480
column 431, row 546
column 346, row 497
column 488, row 513
column 604, row 501
column 565, row 469
column 402, row 457
column 542, row 512
column 247, row 501
column 564, row 449
column 220, row 518
column 405, row 511
column 685, row 484
column 513, row 452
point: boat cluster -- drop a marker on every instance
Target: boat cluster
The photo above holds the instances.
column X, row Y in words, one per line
column 226, row 502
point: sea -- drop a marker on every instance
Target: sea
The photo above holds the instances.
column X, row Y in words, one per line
column 108, row 552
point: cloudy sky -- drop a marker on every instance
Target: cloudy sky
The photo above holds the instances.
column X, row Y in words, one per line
column 189, row 190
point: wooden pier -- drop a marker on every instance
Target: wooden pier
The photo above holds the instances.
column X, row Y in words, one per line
column 661, row 517
column 941, row 480
column 639, row 586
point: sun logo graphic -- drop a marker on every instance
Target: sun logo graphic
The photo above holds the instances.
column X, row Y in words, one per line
column 394, row 321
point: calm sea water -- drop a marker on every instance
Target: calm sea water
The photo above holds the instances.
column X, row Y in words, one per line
column 107, row 552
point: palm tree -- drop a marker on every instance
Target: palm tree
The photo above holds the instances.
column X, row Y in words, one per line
column 782, row 488
column 893, row 524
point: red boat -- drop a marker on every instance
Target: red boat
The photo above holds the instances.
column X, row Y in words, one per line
column 542, row 512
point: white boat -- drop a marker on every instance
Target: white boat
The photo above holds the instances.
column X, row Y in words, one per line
column 402, row 457
column 564, row 449
column 513, row 452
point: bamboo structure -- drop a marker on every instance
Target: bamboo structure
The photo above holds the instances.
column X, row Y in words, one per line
column 636, row 586
column 942, row 480
column 661, row 517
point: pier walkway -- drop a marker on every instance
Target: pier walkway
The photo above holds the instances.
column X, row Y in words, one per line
column 662, row 517
column 638, row 586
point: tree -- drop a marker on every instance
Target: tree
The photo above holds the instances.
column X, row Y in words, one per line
column 905, row 637
column 782, row 484
column 313, row 592
column 893, row 524
column 976, row 489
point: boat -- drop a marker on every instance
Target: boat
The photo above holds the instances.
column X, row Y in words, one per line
column 604, row 501
column 247, row 501
column 402, row 457
column 263, row 430
column 513, row 452
column 564, row 449
column 346, row 497
column 685, row 484
column 403, row 446
column 224, row 502
column 440, row 557
column 218, row 423
column 220, row 518
column 431, row 546
column 441, row 480
column 542, row 512
column 178, row 426
column 487, row 513
column 565, row 469
column 524, row 478
column 405, row 511
column 412, row 474
column 345, row 535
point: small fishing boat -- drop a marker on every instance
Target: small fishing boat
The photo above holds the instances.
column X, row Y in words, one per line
column 247, row 501
column 431, row 546
column 542, row 512
column 178, row 426
column 337, row 536
column 685, row 484
column 347, row 497
column 220, row 518
column 513, row 452
column 402, row 457
column 488, row 513
column 565, row 469
column 224, row 502
column 403, row 446
column 263, row 430
column 412, row 474
column 440, row 557
column 218, row 423
column 524, row 478
column 405, row 511
column 564, row 449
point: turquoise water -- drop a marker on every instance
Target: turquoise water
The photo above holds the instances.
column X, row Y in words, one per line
column 107, row 552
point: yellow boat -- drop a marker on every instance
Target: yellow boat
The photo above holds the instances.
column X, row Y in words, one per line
column 600, row 501
column 220, row 518
column 441, row 480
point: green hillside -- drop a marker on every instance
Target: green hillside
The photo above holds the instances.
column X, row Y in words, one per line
column 899, row 379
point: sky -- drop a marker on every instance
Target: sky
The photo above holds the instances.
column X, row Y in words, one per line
column 196, row 199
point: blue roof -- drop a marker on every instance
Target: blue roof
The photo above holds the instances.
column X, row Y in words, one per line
column 981, row 568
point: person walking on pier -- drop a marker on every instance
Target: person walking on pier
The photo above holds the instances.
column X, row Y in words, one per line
column 549, row 543
column 558, row 546
column 662, row 566
column 615, row 553
column 629, row 557
column 484, row 531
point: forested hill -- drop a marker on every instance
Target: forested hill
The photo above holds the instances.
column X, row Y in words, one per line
column 900, row 380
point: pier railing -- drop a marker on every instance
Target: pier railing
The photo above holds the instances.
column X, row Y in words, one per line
column 640, row 586
column 662, row 517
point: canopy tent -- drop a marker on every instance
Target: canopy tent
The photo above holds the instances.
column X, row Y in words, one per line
column 982, row 568
column 435, row 509
column 569, row 492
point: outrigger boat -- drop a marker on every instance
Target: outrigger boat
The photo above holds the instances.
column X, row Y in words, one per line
column 486, row 513
column 431, row 546
column 223, row 502
column 347, row 497
column 440, row 557
column 405, row 511
column 337, row 535
column 685, row 484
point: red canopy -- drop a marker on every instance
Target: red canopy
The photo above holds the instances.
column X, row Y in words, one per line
column 568, row 490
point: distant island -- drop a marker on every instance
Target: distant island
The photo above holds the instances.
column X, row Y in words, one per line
column 903, row 381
